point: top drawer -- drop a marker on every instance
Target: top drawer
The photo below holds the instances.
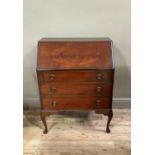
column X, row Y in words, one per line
column 75, row 76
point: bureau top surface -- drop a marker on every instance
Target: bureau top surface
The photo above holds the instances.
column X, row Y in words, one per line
column 74, row 53
column 73, row 39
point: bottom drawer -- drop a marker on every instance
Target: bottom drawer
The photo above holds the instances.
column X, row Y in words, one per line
column 75, row 103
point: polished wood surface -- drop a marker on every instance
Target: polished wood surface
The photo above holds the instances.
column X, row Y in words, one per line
column 92, row 89
column 75, row 74
column 74, row 39
column 90, row 103
column 74, row 55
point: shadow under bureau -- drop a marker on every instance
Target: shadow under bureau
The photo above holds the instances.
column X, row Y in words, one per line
column 75, row 74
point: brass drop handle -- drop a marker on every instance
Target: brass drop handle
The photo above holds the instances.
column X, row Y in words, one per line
column 99, row 88
column 53, row 89
column 52, row 76
column 99, row 77
column 98, row 103
column 54, row 103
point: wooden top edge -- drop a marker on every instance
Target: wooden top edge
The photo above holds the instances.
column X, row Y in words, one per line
column 72, row 69
column 74, row 39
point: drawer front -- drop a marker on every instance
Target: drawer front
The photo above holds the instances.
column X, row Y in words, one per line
column 76, row 76
column 96, row 89
column 76, row 103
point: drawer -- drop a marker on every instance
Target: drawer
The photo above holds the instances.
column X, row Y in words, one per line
column 76, row 76
column 71, row 89
column 76, row 103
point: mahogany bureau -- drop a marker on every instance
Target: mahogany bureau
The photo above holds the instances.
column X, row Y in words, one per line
column 75, row 74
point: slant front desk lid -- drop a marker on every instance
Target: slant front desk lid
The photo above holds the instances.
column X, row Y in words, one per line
column 74, row 53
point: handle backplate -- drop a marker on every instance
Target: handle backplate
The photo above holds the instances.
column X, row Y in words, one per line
column 52, row 76
column 99, row 77
column 54, row 103
column 98, row 102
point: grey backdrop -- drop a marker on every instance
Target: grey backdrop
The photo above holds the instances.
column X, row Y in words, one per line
column 77, row 18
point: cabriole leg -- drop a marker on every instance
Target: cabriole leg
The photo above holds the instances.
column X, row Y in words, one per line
column 110, row 116
column 43, row 118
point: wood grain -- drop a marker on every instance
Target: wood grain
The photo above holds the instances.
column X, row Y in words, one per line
column 76, row 76
column 77, row 133
column 91, row 89
column 74, row 55
column 76, row 104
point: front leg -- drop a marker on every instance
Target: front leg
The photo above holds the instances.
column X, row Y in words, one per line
column 110, row 116
column 109, row 113
column 43, row 118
